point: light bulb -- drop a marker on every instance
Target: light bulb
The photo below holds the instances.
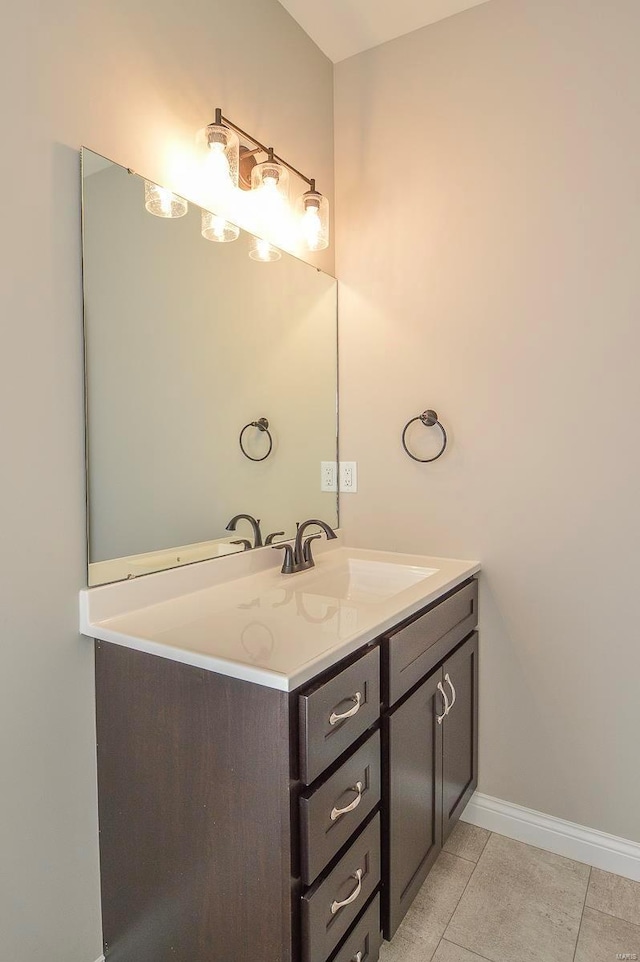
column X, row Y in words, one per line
column 162, row 202
column 270, row 191
column 262, row 250
column 314, row 220
column 220, row 147
column 216, row 228
column 219, row 168
column 271, row 202
column 311, row 228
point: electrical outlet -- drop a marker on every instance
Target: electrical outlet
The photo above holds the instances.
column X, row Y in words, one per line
column 328, row 476
column 348, row 477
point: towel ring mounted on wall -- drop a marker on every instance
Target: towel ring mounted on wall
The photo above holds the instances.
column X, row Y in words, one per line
column 429, row 419
column 262, row 425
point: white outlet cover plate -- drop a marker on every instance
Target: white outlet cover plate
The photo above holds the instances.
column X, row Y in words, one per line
column 328, row 476
column 348, row 477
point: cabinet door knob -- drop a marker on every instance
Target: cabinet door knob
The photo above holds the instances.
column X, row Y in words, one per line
column 334, row 719
column 453, row 691
column 357, row 957
column 337, row 812
column 336, row 906
column 447, row 706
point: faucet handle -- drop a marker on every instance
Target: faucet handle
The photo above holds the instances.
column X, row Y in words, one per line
column 246, row 544
column 307, row 557
column 270, row 537
column 288, row 565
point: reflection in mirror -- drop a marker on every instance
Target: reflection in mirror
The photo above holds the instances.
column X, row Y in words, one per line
column 190, row 344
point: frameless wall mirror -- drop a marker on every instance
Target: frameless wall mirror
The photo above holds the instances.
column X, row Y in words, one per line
column 190, row 343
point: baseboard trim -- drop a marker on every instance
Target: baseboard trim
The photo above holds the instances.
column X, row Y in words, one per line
column 607, row 852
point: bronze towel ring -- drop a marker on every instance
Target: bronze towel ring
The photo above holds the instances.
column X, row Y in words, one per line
column 262, row 425
column 429, row 419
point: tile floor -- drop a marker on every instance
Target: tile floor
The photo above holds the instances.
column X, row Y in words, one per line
column 490, row 899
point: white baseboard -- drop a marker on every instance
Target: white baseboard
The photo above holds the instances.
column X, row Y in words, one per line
column 607, row 852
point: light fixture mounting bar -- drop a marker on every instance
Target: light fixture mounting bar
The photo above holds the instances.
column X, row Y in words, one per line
column 221, row 119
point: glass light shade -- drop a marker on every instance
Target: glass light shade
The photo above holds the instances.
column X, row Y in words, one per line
column 272, row 180
column 222, row 147
column 216, row 228
column 313, row 210
column 162, row 202
column 262, row 250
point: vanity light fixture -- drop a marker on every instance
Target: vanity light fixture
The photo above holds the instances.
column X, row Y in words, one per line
column 162, row 202
column 269, row 178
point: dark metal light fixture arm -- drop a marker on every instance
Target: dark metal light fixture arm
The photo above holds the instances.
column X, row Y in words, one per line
column 221, row 119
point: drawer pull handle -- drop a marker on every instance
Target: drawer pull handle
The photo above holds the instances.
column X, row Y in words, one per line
column 453, row 691
column 334, row 719
column 337, row 812
column 447, row 706
column 336, row 906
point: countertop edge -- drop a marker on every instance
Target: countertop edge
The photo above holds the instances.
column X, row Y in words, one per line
column 262, row 676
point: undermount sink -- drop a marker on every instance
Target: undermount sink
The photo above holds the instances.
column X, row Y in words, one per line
column 367, row 582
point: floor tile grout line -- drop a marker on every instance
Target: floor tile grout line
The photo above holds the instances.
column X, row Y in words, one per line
column 462, row 894
column 444, row 938
column 475, row 865
column 584, row 905
column 474, row 861
column 465, row 949
column 610, row 916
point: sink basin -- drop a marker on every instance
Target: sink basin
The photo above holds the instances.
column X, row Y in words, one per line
column 367, row 582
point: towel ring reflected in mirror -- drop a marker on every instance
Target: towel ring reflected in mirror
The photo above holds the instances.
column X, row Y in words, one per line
column 263, row 426
column 429, row 419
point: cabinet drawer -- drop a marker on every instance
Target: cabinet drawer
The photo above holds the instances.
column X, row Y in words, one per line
column 332, row 813
column 363, row 944
column 332, row 905
column 414, row 650
column 335, row 713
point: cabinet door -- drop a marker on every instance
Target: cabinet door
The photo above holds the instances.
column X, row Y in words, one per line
column 460, row 732
column 413, row 822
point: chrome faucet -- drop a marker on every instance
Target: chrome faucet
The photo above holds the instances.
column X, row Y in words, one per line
column 255, row 524
column 298, row 557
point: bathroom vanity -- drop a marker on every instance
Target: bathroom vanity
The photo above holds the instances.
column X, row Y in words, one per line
column 280, row 755
column 285, row 803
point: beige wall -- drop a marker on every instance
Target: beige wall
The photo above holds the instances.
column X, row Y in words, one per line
column 133, row 81
column 488, row 192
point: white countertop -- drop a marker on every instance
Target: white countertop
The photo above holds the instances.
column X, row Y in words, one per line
column 241, row 617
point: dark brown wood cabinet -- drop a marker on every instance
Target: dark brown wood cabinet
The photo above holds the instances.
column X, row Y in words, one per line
column 413, row 791
column 460, row 733
column 431, row 771
column 240, row 822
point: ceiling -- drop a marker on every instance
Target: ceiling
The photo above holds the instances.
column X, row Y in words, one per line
column 342, row 28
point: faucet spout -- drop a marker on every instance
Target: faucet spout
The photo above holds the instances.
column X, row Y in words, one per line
column 299, row 557
column 302, row 549
column 255, row 524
